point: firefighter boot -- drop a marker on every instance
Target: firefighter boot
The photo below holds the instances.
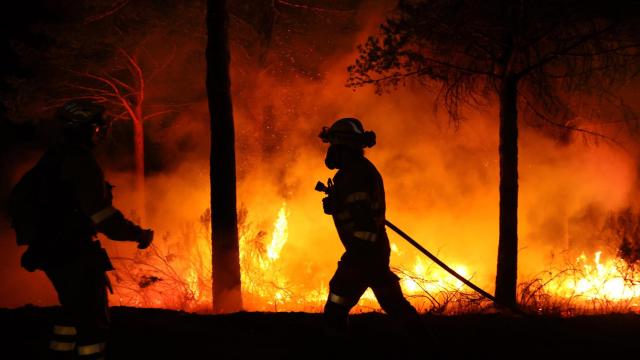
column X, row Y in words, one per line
column 336, row 320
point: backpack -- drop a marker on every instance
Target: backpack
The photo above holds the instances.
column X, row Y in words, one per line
column 28, row 202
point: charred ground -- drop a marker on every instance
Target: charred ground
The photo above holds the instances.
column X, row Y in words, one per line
column 164, row 334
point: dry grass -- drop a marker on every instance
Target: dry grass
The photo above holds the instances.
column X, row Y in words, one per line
column 172, row 275
column 156, row 277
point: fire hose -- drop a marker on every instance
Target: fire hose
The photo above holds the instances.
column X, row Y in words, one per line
column 321, row 187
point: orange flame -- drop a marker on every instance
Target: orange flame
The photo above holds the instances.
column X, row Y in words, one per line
column 609, row 280
column 288, row 250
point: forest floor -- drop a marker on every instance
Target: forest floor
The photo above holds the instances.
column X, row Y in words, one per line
column 165, row 334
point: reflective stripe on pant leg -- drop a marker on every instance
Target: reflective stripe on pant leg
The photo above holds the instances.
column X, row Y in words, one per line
column 92, row 312
column 56, row 345
column 64, row 330
column 340, row 300
column 91, row 349
column 63, row 338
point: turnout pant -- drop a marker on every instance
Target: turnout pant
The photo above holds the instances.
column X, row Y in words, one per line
column 349, row 283
column 83, row 324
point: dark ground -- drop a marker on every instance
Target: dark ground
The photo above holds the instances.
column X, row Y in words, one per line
column 164, row 334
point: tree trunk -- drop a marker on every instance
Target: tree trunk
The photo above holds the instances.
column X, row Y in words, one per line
column 507, row 272
column 138, row 149
column 224, row 228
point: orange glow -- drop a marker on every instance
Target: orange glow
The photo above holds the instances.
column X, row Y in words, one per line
column 442, row 191
column 441, row 184
column 270, row 284
column 607, row 280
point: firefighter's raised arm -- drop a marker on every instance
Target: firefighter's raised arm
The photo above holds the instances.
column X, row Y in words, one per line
column 119, row 228
column 84, row 180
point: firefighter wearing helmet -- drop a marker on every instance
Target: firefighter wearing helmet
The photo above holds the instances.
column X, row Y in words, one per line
column 75, row 205
column 356, row 201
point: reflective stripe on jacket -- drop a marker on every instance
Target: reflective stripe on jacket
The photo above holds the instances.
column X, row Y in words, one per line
column 360, row 207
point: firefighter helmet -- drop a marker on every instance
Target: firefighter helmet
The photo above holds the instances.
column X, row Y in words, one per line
column 79, row 113
column 348, row 131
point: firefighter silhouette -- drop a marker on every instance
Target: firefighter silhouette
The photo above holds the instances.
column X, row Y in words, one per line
column 74, row 204
column 356, row 201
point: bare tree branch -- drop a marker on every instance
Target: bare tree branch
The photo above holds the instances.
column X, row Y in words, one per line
column 571, row 127
column 114, row 8
column 310, row 8
column 159, row 113
column 563, row 51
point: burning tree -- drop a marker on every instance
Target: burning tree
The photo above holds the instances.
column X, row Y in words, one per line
column 224, row 224
column 529, row 56
column 122, row 88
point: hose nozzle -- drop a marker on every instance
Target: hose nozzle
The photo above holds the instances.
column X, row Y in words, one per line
column 321, row 187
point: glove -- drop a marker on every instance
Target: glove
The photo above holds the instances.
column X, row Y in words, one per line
column 145, row 238
column 329, row 205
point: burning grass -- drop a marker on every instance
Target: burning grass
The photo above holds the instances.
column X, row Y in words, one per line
column 175, row 274
column 586, row 286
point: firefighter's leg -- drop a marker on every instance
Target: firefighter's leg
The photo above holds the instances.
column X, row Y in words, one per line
column 82, row 293
column 62, row 344
column 93, row 322
column 345, row 289
column 386, row 288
